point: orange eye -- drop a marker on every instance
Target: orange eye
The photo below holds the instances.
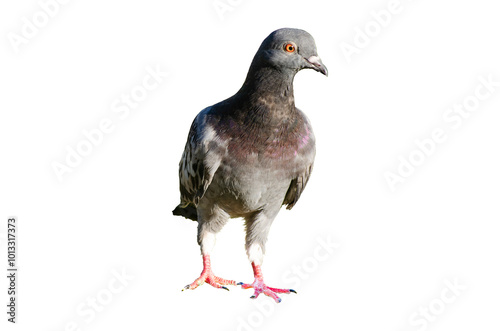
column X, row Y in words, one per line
column 290, row 48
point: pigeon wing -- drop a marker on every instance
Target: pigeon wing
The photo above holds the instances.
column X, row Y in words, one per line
column 297, row 186
column 200, row 159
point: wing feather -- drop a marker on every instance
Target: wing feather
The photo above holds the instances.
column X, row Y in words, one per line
column 297, row 186
column 200, row 160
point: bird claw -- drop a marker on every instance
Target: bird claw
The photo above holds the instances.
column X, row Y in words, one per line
column 259, row 287
column 207, row 276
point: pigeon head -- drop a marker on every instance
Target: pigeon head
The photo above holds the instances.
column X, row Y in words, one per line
column 289, row 50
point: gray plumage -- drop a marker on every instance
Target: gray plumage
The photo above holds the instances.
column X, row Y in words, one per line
column 253, row 152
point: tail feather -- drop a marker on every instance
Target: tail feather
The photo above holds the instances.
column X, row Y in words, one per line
column 188, row 211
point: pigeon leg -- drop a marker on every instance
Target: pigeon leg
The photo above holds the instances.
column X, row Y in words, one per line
column 207, row 276
column 259, row 286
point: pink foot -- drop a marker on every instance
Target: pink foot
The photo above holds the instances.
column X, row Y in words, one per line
column 207, row 276
column 259, row 286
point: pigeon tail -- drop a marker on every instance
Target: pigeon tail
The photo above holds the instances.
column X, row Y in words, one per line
column 188, row 212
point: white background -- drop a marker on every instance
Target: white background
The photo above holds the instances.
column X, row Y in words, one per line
column 397, row 249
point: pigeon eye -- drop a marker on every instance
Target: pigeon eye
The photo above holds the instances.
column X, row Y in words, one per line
column 290, row 48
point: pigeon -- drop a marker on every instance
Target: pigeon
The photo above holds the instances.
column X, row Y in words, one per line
column 250, row 154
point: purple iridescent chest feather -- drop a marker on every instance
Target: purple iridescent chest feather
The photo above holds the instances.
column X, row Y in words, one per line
column 262, row 130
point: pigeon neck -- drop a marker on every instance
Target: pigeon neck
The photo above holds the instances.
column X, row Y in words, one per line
column 268, row 86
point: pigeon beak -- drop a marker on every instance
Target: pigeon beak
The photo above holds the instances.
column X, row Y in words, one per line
column 317, row 65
